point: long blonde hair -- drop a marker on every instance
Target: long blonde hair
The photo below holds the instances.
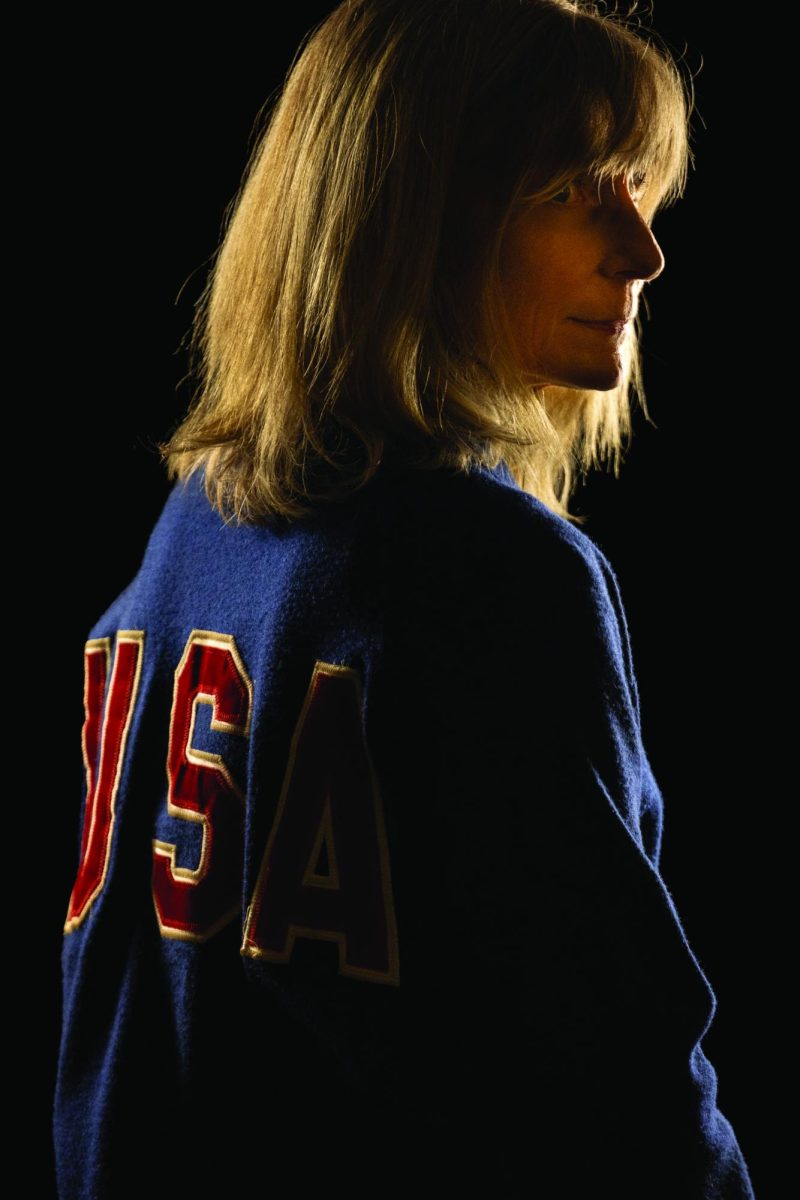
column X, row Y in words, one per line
column 351, row 314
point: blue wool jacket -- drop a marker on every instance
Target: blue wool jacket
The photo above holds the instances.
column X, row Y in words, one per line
column 368, row 892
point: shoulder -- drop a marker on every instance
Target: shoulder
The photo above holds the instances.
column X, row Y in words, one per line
column 476, row 537
column 482, row 499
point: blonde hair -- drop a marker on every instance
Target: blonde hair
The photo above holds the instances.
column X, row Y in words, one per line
column 351, row 315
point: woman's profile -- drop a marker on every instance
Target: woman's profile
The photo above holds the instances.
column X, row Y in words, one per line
column 368, row 892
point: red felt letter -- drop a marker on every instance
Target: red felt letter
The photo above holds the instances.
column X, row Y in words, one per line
column 104, row 741
column 325, row 872
column 192, row 903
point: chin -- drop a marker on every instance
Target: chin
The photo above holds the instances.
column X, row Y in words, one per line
column 602, row 376
column 591, row 378
column 597, row 381
column 591, row 383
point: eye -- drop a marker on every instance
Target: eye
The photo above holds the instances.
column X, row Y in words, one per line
column 581, row 189
column 569, row 192
column 637, row 184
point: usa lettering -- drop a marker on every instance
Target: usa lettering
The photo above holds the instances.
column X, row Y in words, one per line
column 325, row 869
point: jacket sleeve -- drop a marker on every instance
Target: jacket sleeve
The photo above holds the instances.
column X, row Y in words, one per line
column 582, row 1003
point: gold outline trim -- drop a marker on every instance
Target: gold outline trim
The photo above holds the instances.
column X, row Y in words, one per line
column 128, row 637
column 94, row 646
column 324, row 833
column 200, row 758
column 248, row 948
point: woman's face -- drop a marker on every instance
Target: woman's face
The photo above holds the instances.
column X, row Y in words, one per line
column 571, row 272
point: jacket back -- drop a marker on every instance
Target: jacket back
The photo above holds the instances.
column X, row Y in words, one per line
column 368, row 884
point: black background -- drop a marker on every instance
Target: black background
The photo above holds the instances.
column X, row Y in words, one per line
column 147, row 132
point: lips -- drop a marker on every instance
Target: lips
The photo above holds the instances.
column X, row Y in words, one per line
column 610, row 325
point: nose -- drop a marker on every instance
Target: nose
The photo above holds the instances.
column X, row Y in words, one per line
column 634, row 252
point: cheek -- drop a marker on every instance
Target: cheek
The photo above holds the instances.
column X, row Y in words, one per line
column 532, row 277
column 533, row 313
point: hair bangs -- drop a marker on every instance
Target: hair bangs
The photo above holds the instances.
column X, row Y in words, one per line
column 610, row 103
column 640, row 116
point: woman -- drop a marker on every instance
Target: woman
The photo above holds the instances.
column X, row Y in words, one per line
column 368, row 893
